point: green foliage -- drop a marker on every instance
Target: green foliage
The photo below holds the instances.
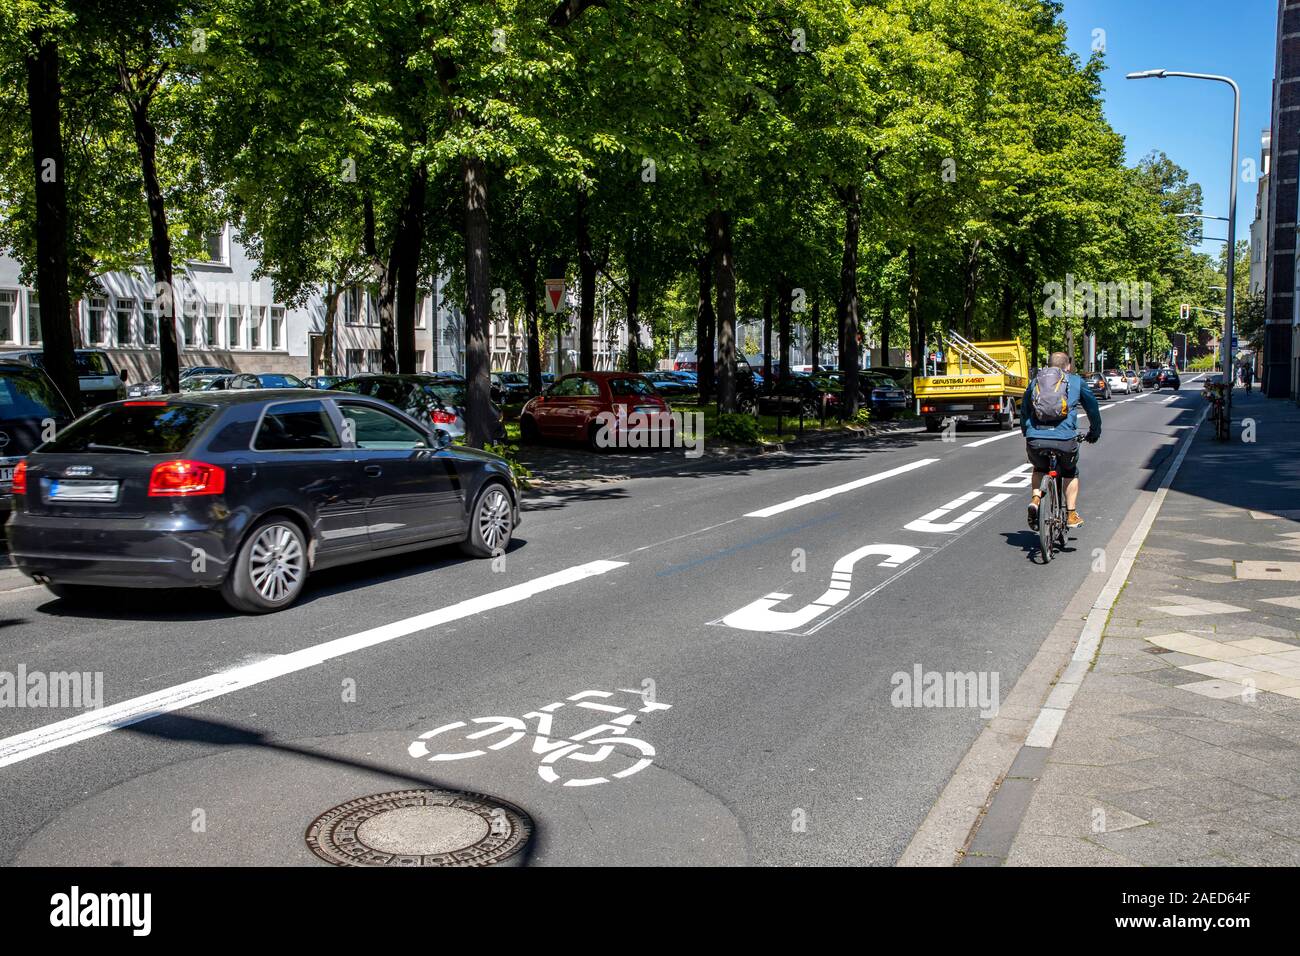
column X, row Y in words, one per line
column 736, row 429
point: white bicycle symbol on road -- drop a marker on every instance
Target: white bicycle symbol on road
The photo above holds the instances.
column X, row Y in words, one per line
column 591, row 746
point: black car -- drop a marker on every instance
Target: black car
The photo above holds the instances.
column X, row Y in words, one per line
column 247, row 492
column 796, row 394
column 1097, row 383
column 1167, row 378
column 97, row 380
column 324, row 381
column 509, row 387
column 31, row 410
column 669, row 386
column 439, row 401
column 1149, row 377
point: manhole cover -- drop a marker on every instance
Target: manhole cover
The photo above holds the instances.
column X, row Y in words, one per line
column 420, row 828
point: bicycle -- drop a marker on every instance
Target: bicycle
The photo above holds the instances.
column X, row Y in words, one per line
column 1053, row 515
column 1216, row 394
column 510, row 730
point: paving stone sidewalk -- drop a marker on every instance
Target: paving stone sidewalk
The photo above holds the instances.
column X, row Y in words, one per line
column 1182, row 747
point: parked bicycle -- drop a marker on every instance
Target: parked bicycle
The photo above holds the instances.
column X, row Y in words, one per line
column 1216, row 393
column 562, row 756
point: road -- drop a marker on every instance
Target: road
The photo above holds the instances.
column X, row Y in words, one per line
column 778, row 746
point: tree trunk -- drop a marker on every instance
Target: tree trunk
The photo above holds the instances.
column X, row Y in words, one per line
column 531, row 291
column 387, row 309
column 410, row 239
column 160, row 243
column 724, row 280
column 886, row 326
column 783, row 308
column 586, row 287
column 43, row 100
column 767, row 336
column 816, row 335
column 1008, row 309
column 914, row 323
column 634, row 323
column 478, row 277
column 971, row 290
column 331, row 316
column 705, row 324
column 847, row 307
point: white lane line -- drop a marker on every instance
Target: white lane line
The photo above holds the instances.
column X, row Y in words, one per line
column 116, row 716
column 838, row 489
column 1043, row 733
column 988, row 441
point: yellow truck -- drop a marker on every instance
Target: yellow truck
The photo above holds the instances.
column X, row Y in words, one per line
column 980, row 382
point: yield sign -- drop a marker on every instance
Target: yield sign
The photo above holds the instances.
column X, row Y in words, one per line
column 554, row 294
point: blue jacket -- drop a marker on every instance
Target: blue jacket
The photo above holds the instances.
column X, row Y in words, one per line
column 1077, row 394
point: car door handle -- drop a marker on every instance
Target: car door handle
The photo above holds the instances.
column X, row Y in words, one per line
column 374, row 471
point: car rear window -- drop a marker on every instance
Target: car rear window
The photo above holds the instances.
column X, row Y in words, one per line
column 630, row 386
column 29, row 395
column 88, row 363
column 152, row 427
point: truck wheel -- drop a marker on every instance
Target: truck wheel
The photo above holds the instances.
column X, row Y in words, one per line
column 1007, row 422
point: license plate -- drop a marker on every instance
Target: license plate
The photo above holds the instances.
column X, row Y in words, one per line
column 99, row 491
column 962, row 408
column 6, row 474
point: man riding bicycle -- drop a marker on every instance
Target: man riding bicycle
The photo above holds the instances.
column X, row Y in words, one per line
column 1049, row 421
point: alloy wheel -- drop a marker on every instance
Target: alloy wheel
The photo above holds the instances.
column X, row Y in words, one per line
column 494, row 519
column 275, row 564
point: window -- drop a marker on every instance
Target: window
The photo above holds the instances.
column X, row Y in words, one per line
column 188, row 320
column 256, row 318
column 122, row 320
column 277, row 327
column 354, row 361
column 372, row 428
column 153, row 429
column 29, row 394
column 293, row 426
column 8, row 312
column 567, row 386
column 211, row 323
column 419, row 360
column 351, row 301
column 374, row 360
column 95, row 309
column 233, row 329
column 214, row 245
column 33, row 318
column 630, row 386
column 149, row 311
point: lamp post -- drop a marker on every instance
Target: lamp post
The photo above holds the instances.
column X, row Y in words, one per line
column 1226, row 350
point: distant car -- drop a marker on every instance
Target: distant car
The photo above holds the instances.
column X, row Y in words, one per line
column 577, row 407
column 153, row 386
column 669, row 386
column 1117, row 381
column 1134, row 380
column 1096, row 382
column 441, row 402
column 1168, row 378
column 324, row 381
column 268, row 487
column 796, row 395
column 31, row 410
column 97, row 380
column 509, row 387
column 1149, row 377
column 901, row 375
column 690, row 379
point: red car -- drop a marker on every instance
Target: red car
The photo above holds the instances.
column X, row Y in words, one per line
column 603, row 409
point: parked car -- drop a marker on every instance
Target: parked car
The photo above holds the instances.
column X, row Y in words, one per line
column 509, row 387
column 153, row 386
column 669, row 386
column 797, row 394
column 248, row 380
column 690, row 379
column 324, row 381
column 97, row 380
column 570, row 408
column 1097, row 383
column 1149, row 377
column 888, row 398
column 1117, row 381
column 32, row 409
column 440, row 402
column 1134, row 380
column 266, row 487
column 1168, row 378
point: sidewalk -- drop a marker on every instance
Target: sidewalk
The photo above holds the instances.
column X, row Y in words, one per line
column 1182, row 746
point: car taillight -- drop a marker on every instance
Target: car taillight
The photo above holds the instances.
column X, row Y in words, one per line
column 186, row 478
column 439, row 417
column 148, row 404
column 20, row 478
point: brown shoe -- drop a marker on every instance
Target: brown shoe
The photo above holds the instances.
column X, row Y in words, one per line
column 1074, row 521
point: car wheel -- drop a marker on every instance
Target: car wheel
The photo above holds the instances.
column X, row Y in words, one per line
column 491, row 522
column 270, row 570
column 528, row 432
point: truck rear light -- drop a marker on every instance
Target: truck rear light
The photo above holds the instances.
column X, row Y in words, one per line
column 184, row 478
column 439, row 417
column 20, row 478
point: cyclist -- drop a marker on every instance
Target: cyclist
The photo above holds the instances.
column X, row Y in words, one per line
column 1049, row 421
column 1247, row 376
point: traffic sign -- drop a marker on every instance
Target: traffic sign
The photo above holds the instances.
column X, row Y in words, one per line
column 554, row 294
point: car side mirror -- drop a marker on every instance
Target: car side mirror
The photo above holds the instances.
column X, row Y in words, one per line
column 441, row 438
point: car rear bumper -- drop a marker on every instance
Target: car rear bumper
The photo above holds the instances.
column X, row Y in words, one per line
column 135, row 553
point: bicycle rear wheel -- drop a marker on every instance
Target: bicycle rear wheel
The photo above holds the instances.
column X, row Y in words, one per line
column 1047, row 518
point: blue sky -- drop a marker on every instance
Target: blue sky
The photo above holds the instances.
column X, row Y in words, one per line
column 1190, row 120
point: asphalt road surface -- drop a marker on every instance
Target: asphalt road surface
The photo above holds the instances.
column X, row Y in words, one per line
column 745, row 685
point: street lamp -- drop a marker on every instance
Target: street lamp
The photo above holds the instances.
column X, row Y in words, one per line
column 1226, row 351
